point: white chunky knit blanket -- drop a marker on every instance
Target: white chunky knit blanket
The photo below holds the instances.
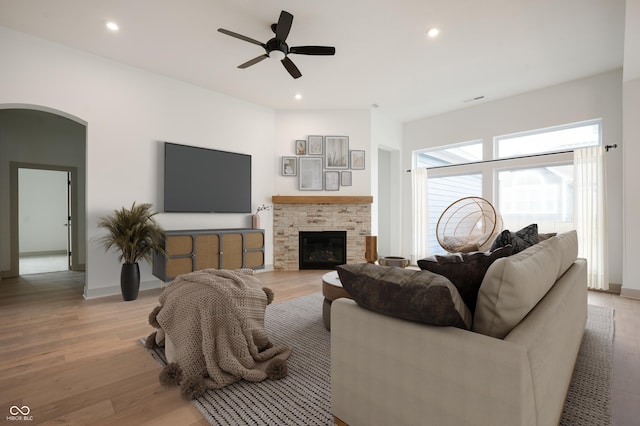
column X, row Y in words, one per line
column 215, row 322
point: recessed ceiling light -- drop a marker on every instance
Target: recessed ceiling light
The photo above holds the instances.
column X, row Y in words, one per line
column 433, row 32
column 112, row 26
column 298, row 96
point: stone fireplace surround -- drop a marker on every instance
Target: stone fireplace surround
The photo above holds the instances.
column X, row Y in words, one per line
column 292, row 214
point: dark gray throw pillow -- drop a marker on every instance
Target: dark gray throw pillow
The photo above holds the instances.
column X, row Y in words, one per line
column 412, row 295
column 520, row 240
column 465, row 270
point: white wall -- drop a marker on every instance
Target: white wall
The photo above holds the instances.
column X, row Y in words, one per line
column 294, row 125
column 598, row 96
column 386, row 136
column 129, row 113
column 631, row 149
column 42, row 208
column 631, row 40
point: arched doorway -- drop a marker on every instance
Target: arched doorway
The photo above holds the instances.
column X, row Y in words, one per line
column 33, row 137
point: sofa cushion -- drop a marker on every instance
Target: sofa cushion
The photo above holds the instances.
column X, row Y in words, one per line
column 542, row 237
column 464, row 270
column 513, row 285
column 420, row 296
column 568, row 243
column 520, row 240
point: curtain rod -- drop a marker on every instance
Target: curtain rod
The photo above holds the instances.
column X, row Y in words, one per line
column 606, row 148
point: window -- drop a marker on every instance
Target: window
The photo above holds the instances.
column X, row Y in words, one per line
column 467, row 152
column 555, row 139
column 529, row 179
column 542, row 195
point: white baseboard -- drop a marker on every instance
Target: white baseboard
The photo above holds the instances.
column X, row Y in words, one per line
column 93, row 293
column 630, row 293
column 614, row 288
column 266, row 269
column 42, row 253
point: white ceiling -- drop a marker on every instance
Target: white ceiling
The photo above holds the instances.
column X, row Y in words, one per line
column 490, row 48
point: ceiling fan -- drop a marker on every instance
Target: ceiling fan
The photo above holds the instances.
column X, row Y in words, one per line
column 277, row 47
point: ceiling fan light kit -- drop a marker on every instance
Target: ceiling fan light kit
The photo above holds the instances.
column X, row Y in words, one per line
column 277, row 54
column 277, row 47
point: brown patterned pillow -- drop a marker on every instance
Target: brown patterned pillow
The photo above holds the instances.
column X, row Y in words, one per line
column 465, row 270
column 413, row 295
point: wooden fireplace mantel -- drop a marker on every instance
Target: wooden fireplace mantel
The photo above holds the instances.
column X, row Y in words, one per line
column 320, row 199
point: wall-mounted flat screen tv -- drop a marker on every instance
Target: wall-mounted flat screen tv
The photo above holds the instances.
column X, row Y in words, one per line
column 201, row 180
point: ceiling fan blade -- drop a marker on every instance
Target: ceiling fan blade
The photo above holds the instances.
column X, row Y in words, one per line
column 284, row 25
column 240, row 36
column 313, row 50
column 253, row 61
column 291, row 67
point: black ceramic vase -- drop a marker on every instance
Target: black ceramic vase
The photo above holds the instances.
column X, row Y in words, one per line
column 130, row 281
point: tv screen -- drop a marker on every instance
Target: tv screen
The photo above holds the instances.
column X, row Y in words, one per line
column 201, row 180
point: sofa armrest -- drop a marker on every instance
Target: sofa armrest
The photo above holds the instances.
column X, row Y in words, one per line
column 386, row 370
column 552, row 333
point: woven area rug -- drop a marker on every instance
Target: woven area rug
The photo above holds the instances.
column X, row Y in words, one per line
column 589, row 397
column 304, row 396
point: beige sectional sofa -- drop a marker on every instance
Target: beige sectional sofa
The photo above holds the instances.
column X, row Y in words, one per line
column 512, row 368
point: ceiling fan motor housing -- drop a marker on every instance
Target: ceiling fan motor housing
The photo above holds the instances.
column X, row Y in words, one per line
column 275, row 45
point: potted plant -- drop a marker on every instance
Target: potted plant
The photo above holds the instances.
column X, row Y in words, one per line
column 137, row 235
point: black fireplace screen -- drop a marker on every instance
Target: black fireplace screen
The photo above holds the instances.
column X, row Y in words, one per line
column 322, row 249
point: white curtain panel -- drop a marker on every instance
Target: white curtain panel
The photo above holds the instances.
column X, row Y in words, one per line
column 590, row 213
column 420, row 214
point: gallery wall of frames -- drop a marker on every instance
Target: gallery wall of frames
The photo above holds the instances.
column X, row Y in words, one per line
column 322, row 163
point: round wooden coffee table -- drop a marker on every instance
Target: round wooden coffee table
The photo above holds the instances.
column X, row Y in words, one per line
column 331, row 290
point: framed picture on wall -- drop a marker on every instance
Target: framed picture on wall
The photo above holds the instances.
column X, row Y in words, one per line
column 314, row 145
column 336, row 152
column 310, row 173
column 289, row 166
column 357, row 160
column 345, row 179
column 331, row 181
column 301, row 147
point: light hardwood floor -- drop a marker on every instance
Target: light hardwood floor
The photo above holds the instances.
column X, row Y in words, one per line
column 75, row 361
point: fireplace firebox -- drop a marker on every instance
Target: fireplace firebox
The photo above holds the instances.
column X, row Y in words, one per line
column 322, row 249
